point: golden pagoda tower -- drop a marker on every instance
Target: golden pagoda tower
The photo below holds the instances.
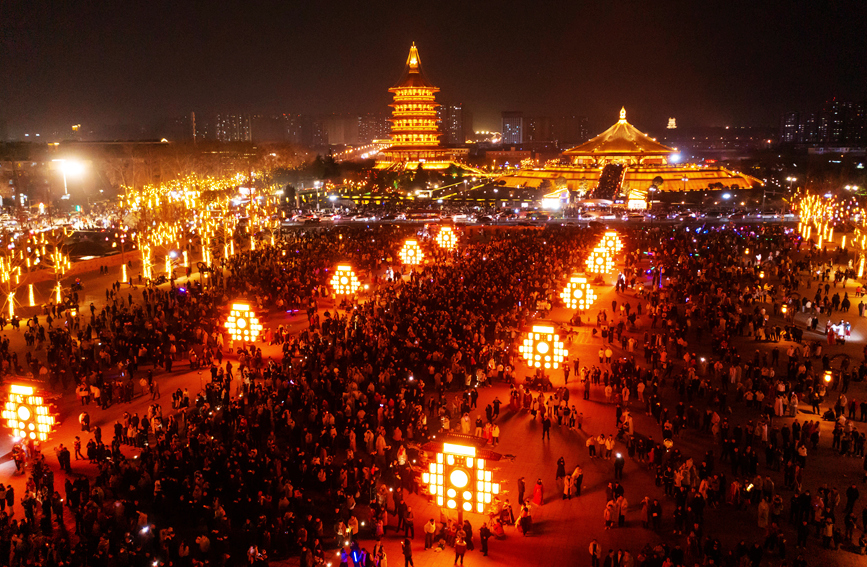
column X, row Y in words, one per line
column 415, row 133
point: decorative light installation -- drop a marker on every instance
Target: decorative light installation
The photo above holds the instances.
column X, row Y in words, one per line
column 578, row 294
column 344, row 281
column 446, row 238
column 27, row 414
column 459, row 480
column 542, row 348
column 242, row 323
column 411, row 253
column 600, row 261
column 611, row 242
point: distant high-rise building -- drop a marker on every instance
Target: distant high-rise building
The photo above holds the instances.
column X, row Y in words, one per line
column 538, row 129
column 373, row 126
column 808, row 128
column 233, row 128
column 451, row 117
column 789, row 127
column 832, row 122
column 513, row 127
column 571, row 130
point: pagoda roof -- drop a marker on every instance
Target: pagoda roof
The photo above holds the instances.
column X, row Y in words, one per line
column 413, row 75
column 621, row 139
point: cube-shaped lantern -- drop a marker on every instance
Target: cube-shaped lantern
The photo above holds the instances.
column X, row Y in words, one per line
column 600, row 261
column 242, row 323
column 411, row 254
column 447, row 238
column 344, row 281
column 27, row 414
column 542, row 348
column 578, row 294
column 459, row 480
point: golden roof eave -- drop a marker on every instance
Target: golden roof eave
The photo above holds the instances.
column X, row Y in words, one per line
column 620, row 139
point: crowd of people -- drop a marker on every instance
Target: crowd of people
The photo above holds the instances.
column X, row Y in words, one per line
column 310, row 452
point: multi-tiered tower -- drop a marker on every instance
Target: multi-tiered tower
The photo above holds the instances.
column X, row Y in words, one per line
column 415, row 134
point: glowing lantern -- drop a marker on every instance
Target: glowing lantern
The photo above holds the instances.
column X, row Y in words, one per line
column 611, row 242
column 542, row 348
column 344, row 281
column 411, row 254
column 30, row 295
column 578, row 294
column 242, row 323
column 27, row 414
column 459, row 481
column 600, row 261
column 447, row 238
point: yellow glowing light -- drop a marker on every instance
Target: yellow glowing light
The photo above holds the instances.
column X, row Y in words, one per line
column 242, row 323
column 464, row 450
column 30, row 295
column 452, row 477
column 27, row 415
column 542, row 348
column 344, row 281
column 459, row 478
column 600, row 261
column 578, row 294
column 411, row 253
column 122, row 275
column 446, row 238
column 611, row 242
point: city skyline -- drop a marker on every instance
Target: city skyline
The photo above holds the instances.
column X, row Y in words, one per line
column 111, row 64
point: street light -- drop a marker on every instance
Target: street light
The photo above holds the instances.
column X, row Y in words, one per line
column 684, row 179
column 69, row 167
column 791, row 180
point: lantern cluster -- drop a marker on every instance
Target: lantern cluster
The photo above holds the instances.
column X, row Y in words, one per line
column 600, row 261
column 27, row 414
column 242, row 323
column 344, row 281
column 446, row 238
column 611, row 242
column 578, row 294
column 411, row 253
column 458, row 479
column 542, row 348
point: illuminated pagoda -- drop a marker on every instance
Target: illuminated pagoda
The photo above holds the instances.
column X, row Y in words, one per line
column 415, row 133
column 623, row 162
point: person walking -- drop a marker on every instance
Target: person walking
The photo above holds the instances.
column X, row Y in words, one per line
column 522, row 488
column 595, row 553
column 407, row 552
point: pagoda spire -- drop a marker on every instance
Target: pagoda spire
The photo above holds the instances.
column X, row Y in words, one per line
column 623, row 114
column 413, row 62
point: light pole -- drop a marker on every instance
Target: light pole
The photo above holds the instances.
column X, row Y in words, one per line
column 791, row 180
column 71, row 167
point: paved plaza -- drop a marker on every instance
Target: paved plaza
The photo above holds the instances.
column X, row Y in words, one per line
column 562, row 529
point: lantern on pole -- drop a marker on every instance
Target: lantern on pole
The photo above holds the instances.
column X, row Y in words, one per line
column 27, row 414
column 611, row 242
column 600, row 261
column 242, row 323
column 459, row 479
column 344, row 281
column 411, row 253
column 578, row 294
column 446, row 238
column 542, row 348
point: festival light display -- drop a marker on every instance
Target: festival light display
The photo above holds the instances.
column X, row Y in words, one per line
column 344, row 281
column 27, row 414
column 600, row 261
column 578, row 294
column 611, row 242
column 542, row 348
column 242, row 323
column 446, row 238
column 459, row 480
column 411, row 253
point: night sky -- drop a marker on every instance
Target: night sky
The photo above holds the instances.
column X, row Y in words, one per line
column 705, row 63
